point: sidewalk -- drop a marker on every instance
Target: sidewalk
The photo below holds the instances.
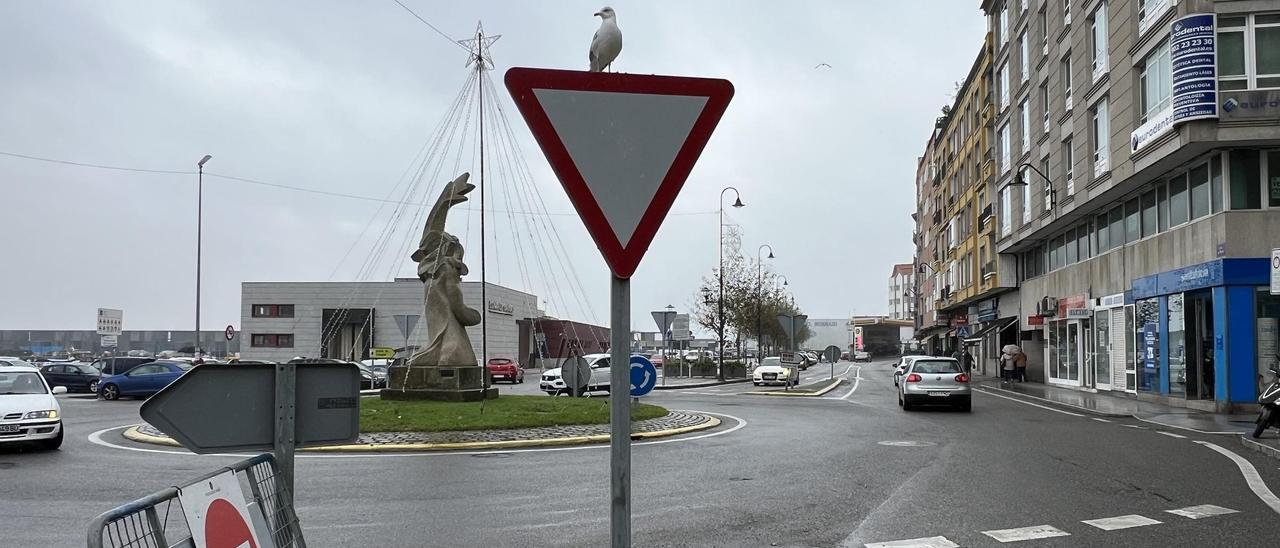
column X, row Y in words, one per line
column 1108, row 405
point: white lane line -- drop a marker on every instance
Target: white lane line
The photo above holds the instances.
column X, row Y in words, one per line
column 1171, row 434
column 985, row 391
column 96, row 439
column 1134, row 426
column 856, row 381
column 1167, row 425
column 1250, row 474
column 1026, row 533
column 1121, row 522
column 927, row 542
column 1202, row 511
column 1100, row 419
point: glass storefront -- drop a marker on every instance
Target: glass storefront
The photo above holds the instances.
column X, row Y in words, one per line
column 1178, row 374
column 1147, row 344
column 1268, row 326
column 1102, row 343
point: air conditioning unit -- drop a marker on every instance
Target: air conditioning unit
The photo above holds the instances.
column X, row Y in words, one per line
column 1047, row 306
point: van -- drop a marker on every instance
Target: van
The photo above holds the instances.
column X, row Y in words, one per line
column 119, row 365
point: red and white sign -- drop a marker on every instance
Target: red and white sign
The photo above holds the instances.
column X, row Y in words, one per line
column 622, row 146
column 217, row 514
column 229, row 333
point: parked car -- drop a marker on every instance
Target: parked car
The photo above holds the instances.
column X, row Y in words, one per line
column 861, row 356
column 29, row 412
column 657, row 360
column 119, row 364
column 900, row 368
column 143, row 380
column 773, row 371
column 698, row 355
column 505, row 369
column 935, row 381
column 77, row 376
column 15, row 361
column 370, row 380
column 553, row 384
column 380, row 366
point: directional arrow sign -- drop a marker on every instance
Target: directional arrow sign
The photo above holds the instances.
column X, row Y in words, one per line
column 231, row 407
column 622, row 146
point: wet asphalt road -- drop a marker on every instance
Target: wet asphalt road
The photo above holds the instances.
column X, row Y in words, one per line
column 829, row 471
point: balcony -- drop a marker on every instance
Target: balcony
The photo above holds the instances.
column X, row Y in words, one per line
column 988, row 270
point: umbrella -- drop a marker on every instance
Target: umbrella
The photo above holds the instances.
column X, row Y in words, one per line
column 1011, row 349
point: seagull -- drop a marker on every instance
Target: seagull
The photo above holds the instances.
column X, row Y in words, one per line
column 820, row 65
column 607, row 42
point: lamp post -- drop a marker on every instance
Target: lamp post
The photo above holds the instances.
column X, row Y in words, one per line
column 199, row 228
column 760, row 297
column 737, row 202
column 1019, row 180
column 666, row 340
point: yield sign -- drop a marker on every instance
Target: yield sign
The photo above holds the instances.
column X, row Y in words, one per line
column 622, row 146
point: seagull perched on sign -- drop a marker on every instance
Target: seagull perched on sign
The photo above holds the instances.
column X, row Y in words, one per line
column 607, row 42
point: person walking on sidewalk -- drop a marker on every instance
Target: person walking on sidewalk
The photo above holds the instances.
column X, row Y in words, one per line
column 1020, row 366
column 1008, row 365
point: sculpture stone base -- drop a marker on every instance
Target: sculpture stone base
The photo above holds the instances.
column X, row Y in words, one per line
column 439, row 383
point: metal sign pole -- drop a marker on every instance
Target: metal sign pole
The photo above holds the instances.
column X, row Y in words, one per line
column 620, row 416
column 286, row 394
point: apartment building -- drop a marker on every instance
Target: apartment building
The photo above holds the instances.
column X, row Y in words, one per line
column 1137, row 177
column 901, row 300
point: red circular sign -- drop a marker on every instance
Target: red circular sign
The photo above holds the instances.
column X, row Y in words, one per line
column 230, row 332
column 224, row 527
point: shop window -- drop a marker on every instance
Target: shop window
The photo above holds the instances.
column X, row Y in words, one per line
column 1245, row 187
column 1149, row 220
column 1200, row 206
column 1102, row 346
column 1178, row 373
column 1132, row 224
column 1131, row 354
column 1268, row 325
column 1147, row 339
column 1178, row 202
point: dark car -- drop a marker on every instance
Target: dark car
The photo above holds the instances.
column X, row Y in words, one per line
column 368, row 379
column 79, row 377
column 120, row 364
column 143, row 380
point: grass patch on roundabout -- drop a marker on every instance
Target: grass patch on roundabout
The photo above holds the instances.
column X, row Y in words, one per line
column 378, row 415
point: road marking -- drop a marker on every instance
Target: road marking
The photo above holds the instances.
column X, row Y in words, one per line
column 1134, row 426
column 1167, row 425
column 1026, row 533
column 96, row 439
column 1121, row 522
column 1171, row 434
column 856, row 381
column 927, row 542
column 1250, row 474
column 1202, row 511
column 1100, row 420
column 989, row 393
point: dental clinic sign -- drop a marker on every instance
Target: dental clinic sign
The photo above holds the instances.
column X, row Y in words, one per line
column 1192, row 53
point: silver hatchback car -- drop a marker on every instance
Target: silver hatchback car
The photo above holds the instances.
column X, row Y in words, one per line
column 935, row 381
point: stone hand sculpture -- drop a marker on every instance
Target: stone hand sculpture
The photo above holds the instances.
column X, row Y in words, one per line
column 440, row 267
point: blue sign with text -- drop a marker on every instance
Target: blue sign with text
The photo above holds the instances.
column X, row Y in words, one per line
column 644, row 376
column 1150, row 332
column 1192, row 53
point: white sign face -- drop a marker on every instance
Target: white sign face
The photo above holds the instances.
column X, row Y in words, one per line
column 217, row 514
column 1079, row 313
column 1275, row 271
column 109, row 340
column 110, row 321
column 680, row 327
column 602, row 132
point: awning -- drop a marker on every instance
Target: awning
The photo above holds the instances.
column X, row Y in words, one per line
column 996, row 326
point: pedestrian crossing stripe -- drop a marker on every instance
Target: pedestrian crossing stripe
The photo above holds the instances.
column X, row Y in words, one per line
column 1121, row 522
column 927, row 542
column 1026, row 533
column 1202, row 511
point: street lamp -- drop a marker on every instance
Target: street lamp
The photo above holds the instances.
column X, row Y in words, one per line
column 199, row 228
column 1019, row 180
column 760, row 297
column 737, row 202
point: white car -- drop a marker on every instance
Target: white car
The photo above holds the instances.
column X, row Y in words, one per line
column 773, row 371
column 553, row 383
column 861, row 356
column 901, row 367
column 29, row 412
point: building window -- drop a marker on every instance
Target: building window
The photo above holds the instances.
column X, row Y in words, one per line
column 1026, row 204
column 1070, row 242
column 1044, row 104
column 1098, row 39
column 1132, row 221
column 1043, row 25
column 272, row 340
column 1104, row 234
column 1115, row 222
column 1004, row 86
column 1249, row 51
column 1101, row 138
column 1150, row 220
column 1003, row 139
column 273, row 311
column 1162, row 208
column 1066, row 12
column 1066, row 81
column 1026, row 56
column 1156, row 82
column 1048, row 178
column 1178, row 200
column 1006, row 212
column 1069, row 166
column 1246, row 177
column 1004, row 23
column 1199, row 183
column 1026, row 127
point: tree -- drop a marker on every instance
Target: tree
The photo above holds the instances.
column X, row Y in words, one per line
column 749, row 301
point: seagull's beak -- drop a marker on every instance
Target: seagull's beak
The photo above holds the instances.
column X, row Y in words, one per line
column 599, row 14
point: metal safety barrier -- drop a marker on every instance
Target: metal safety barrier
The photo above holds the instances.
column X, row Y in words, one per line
column 157, row 520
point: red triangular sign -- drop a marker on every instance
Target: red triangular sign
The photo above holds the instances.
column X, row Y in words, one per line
column 622, row 146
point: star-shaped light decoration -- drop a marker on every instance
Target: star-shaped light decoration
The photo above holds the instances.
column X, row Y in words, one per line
column 478, row 48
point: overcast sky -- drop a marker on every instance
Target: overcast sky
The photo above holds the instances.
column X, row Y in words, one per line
column 340, row 96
